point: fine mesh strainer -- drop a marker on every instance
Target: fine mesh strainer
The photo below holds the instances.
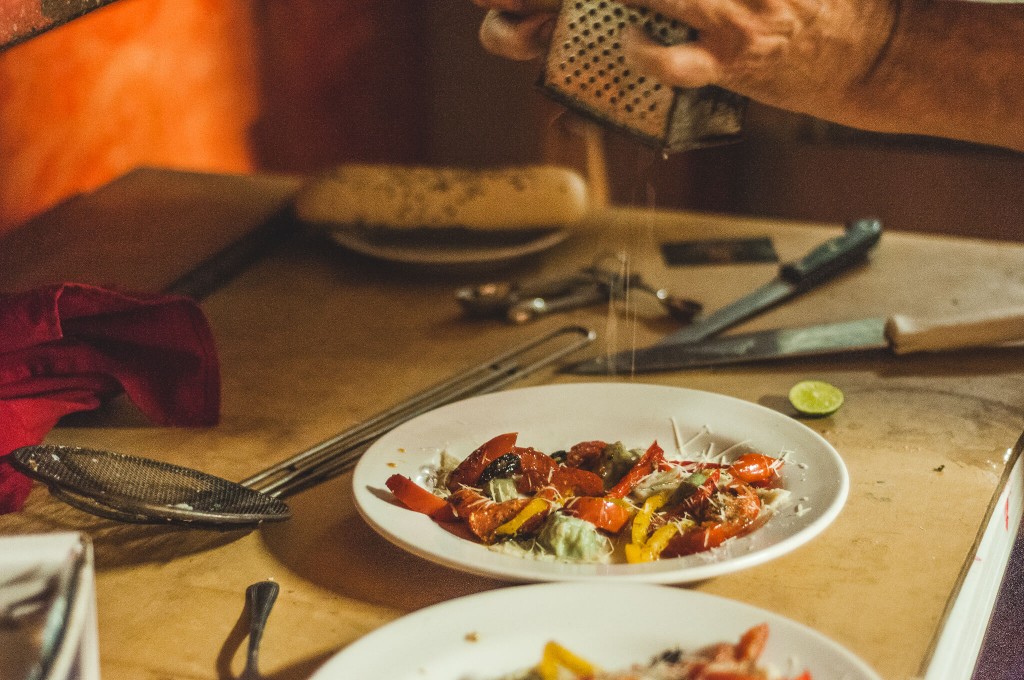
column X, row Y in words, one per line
column 129, row 488
column 586, row 71
column 133, row 489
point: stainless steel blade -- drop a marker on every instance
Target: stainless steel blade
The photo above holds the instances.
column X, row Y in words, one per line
column 832, row 338
column 819, row 265
column 705, row 326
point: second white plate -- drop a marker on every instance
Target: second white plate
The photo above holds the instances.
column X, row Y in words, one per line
column 554, row 417
column 487, row 635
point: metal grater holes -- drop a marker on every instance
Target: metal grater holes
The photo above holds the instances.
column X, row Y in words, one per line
column 591, row 68
column 586, row 71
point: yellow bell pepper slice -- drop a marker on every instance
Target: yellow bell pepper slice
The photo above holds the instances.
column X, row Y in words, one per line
column 642, row 521
column 556, row 656
column 534, row 507
column 657, row 542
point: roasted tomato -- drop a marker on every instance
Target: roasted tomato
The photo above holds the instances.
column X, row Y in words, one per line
column 415, row 497
column 585, row 455
column 468, row 471
column 756, row 469
column 482, row 515
column 601, row 512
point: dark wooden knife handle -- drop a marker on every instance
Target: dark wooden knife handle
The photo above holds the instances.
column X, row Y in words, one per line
column 834, row 255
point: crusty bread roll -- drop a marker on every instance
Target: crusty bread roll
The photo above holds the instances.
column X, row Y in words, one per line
column 409, row 197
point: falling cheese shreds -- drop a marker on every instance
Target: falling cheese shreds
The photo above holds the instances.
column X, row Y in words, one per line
column 677, row 436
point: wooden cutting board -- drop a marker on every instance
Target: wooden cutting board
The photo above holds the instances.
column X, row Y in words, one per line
column 179, row 231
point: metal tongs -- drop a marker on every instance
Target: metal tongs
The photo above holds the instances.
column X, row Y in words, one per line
column 521, row 302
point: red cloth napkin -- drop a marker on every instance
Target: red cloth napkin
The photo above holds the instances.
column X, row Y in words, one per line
column 67, row 347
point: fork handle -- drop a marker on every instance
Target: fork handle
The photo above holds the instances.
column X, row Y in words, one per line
column 260, row 597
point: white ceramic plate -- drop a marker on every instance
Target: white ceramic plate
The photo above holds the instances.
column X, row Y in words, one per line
column 27, row 564
column 555, row 417
column 447, row 247
column 614, row 625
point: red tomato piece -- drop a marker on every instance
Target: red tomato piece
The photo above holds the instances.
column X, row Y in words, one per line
column 601, row 512
column 648, row 463
column 585, row 454
column 415, row 497
column 755, row 468
column 752, row 643
column 469, row 470
column 577, row 482
column 535, row 469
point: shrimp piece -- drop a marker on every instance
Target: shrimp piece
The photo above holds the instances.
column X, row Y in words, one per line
column 729, row 513
column 482, row 515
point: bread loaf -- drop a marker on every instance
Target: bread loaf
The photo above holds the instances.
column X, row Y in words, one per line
column 410, row 197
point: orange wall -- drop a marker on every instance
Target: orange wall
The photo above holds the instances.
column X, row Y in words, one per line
column 213, row 85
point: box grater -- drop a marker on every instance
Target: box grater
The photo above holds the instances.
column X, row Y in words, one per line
column 21, row 20
column 586, row 71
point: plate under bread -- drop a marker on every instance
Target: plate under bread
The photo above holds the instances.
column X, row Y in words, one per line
column 448, row 246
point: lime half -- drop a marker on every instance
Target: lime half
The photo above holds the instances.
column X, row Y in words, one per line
column 815, row 398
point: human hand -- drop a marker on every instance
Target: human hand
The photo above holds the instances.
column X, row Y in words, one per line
column 517, row 29
column 811, row 56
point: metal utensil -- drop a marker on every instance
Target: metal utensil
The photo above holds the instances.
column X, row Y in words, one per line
column 260, row 598
column 794, row 278
column 134, row 489
column 526, row 301
column 586, row 71
column 680, row 308
column 819, row 265
column 899, row 334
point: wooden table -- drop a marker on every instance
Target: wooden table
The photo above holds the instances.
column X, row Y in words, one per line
column 313, row 339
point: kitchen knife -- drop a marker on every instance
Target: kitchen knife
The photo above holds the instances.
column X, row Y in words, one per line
column 823, row 262
column 900, row 334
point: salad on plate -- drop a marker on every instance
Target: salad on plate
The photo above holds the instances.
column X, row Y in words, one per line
column 718, row 661
column 596, row 501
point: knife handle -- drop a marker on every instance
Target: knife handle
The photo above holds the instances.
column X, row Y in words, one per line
column 834, row 255
column 909, row 334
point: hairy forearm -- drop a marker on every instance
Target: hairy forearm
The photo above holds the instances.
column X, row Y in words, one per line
column 950, row 69
column 944, row 68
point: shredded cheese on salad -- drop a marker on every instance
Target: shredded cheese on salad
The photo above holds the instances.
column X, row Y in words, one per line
column 598, row 501
column 724, row 661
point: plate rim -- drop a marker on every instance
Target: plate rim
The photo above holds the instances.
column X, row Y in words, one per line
column 512, row 568
column 333, row 668
column 353, row 240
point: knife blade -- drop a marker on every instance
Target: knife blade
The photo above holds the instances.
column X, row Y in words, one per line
column 900, row 334
column 817, row 266
column 820, row 264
